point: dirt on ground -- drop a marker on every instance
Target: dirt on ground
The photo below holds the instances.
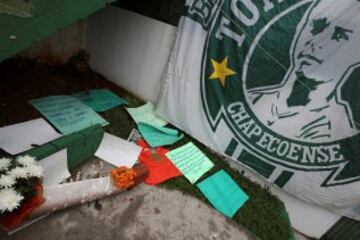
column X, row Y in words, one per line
column 22, row 80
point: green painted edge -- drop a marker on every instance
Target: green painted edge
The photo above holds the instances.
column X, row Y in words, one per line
column 344, row 229
column 17, row 34
column 80, row 146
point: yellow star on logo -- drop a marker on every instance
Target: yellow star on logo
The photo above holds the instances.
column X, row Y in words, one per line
column 221, row 71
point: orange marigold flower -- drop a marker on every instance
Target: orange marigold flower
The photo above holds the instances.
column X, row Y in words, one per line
column 123, row 177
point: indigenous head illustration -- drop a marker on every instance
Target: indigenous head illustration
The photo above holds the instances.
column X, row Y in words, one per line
column 307, row 105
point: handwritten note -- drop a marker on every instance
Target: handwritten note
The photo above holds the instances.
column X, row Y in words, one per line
column 117, row 151
column 67, row 113
column 190, row 161
column 100, row 99
column 157, row 136
column 146, row 114
column 223, row 193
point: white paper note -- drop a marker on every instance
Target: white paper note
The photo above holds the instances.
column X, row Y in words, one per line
column 23, row 136
column 55, row 168
column 117, row 151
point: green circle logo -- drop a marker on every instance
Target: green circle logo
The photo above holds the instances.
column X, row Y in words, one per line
column 283, row 79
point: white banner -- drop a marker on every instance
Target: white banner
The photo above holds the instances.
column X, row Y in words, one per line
column 274, row 85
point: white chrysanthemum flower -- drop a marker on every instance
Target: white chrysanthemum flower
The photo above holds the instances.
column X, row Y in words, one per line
column 26, row 160
column 34, row 171
column 6, row 181
column 19, row 172
column 4, row 163
column 9, row 200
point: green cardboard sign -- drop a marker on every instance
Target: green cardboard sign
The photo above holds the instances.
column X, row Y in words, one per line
column 80, row 146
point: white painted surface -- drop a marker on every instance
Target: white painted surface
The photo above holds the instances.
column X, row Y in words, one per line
column 129, row 49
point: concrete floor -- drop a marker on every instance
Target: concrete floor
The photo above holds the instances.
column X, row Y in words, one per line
column 143, row 213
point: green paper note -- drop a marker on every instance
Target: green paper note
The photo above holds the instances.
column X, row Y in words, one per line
column 223, row 193
column 146, row 114
column 157, row 136
column 100, row 99
column 190, row 161
column 67, row 113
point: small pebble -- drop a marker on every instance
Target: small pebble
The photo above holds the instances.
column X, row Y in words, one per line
column 98, row 205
